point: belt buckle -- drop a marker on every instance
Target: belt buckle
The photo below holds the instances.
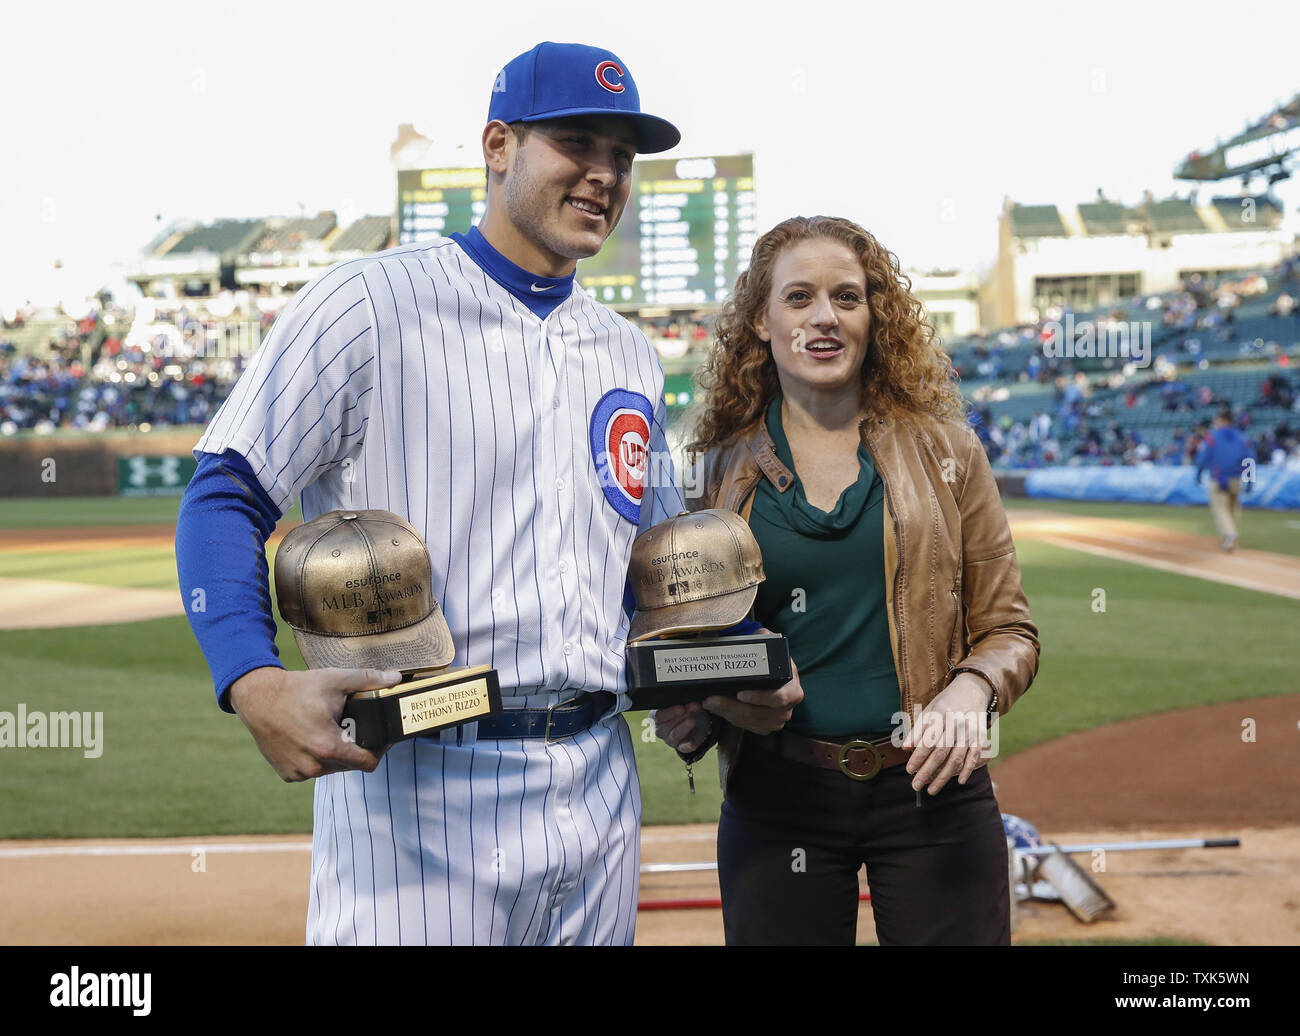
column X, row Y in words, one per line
column 550, row 709
column 875, row 756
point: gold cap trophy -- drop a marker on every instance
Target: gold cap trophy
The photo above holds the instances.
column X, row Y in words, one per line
column 692, row 576
column 356, row 587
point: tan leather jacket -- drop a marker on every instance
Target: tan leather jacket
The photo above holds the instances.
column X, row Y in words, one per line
column 956, row 602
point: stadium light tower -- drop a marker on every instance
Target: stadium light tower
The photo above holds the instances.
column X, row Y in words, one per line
column 1263, row 148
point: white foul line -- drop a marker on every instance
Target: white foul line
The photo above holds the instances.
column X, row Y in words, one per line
column 179, row 849
column 1170, row 566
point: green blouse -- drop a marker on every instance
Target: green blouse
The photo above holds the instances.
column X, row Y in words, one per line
column 825, row 590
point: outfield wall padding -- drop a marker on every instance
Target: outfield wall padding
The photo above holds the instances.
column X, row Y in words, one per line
column 84, row 464
column 1275, row 487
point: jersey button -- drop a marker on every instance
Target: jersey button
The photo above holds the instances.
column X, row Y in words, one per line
column 564, row 566
column 568, row 648
column 559, row 483
column 555, row 403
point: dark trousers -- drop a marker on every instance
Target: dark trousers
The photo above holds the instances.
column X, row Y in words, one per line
column 792, row 838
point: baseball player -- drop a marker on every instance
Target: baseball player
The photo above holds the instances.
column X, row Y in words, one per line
column 469, row 385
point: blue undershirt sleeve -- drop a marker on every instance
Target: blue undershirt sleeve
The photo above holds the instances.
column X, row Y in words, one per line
column 221, row 532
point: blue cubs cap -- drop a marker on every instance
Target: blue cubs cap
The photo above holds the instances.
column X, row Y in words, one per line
column 556, row 80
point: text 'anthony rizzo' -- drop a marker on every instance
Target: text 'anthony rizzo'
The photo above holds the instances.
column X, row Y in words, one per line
column 723, row 665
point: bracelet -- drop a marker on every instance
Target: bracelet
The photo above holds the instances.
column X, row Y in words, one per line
column 991, row 711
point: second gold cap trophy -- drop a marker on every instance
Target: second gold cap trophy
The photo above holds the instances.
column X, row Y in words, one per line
column 693, row 576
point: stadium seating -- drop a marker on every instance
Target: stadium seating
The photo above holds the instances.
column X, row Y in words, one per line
column 1037, row 221
column 1268, row 215
column 369, row 234
column 1108, row 217
column 1174, row 216
column 289, row 234
column 36, row 333
column 1216, row 343
column 220, row 238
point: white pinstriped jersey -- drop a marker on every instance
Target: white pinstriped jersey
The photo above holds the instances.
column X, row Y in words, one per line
column 413, row 382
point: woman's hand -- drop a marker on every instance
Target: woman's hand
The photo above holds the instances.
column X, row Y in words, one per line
column 951, row 734
column 682, row 727
column 760, row 712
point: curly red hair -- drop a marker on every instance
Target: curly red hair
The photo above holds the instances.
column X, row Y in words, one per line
column 905, row 371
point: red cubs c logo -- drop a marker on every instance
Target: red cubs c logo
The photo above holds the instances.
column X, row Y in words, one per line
column 602, row 76
column 619, row 434
column 628, row 441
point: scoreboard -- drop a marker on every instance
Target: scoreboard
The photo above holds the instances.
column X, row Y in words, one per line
column 684, row 237
column 435, row 202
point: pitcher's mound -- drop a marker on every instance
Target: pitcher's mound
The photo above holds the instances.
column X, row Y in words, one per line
column 42, row 603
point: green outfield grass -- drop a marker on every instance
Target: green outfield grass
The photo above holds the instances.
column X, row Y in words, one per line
column 173, row 764
column 141, row 567
column 72, row 511
column 38, row 512
column 1165, row 642
column 1261, row 529
column 152, row 568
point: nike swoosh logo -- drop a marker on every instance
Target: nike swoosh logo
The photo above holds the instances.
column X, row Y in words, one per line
column 545, row 287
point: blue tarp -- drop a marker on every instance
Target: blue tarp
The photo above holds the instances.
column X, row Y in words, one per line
column 1275, row 487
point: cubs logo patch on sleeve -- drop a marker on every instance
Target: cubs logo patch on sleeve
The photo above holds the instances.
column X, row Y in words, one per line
column 620, row 449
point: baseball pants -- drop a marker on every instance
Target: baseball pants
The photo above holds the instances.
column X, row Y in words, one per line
column 501, row 842
column 1225, row 504
column 792, row 838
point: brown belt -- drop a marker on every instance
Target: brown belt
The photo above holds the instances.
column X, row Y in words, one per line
column 856, row 759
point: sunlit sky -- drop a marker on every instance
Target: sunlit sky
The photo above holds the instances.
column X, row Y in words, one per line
column 915, row 120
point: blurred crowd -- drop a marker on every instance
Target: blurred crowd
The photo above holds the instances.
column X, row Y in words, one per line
column 124, row 368
column 1106, row 417
column 1202, row 309
column 695, row 327
column 1082, row 427
column 1206, row 306
column 172, row 361
column 675, row 335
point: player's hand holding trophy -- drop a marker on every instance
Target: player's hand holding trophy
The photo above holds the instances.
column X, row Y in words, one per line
column 357, row 589
column 695, row 578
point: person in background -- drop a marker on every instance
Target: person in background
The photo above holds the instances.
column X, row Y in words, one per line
column 1224, row 454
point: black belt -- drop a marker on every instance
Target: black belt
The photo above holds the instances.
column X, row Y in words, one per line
column 561, row 720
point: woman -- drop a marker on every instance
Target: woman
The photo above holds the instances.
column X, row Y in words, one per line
column 832, row 424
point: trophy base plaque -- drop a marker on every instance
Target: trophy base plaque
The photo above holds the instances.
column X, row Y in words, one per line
column 425, row 702
column 685, row 669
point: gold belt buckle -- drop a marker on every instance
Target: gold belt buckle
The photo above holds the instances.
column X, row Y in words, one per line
column 876, row 759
